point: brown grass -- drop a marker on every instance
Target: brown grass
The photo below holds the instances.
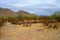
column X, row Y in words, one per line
column 35, row 32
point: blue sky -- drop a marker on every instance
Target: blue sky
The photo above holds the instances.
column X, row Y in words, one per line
column 42, row 7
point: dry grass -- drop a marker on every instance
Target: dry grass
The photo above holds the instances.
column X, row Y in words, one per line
column 35, row 32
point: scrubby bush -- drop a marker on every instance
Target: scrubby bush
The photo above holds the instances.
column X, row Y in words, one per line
column 12, row 19
column 3, row 19
column 20, row 17
column 15, row 19
column 56, row 16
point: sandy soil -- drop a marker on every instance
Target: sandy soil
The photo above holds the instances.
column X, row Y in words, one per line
column 34, row 32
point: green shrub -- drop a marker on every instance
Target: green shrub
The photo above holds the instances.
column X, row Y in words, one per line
column 56, row 16
column 3, row 19
column 12, row 19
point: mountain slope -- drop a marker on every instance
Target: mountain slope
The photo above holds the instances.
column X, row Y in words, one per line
column 8, row 12
column 5, row 11
column 24, row 13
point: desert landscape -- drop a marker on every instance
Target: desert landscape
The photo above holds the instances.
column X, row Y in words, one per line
column 29, row 19
column 23, row 25
column 33, row 32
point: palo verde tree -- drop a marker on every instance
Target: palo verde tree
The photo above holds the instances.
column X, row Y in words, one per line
column 56, row 16
column 3, row 19
column 34, row 17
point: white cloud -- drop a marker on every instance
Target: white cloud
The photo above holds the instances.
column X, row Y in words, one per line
column 32, row 3
column 19, row 5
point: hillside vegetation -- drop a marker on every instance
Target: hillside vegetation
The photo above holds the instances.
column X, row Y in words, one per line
column 6, row 15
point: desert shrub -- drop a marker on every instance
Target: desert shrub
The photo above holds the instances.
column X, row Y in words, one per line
column 12, row 19
column 33, row 17
column 20, row 17
column 15, row 19
column 52, row 25
column 3, row 19
column 56, row 16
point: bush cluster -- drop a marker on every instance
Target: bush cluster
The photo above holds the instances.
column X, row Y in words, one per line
column 3, row 19
column 56, row 16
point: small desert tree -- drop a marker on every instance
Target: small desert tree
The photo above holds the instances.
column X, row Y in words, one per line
column 12, row 19
column 20, row 17
column 34, row 17
column 56, row 16
column 3, row 19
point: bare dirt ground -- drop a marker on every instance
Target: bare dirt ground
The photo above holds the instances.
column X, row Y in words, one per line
column 34, row 32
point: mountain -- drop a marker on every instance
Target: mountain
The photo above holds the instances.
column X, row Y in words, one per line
column 5, row 11
column 24, row 13
column 8, row 12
